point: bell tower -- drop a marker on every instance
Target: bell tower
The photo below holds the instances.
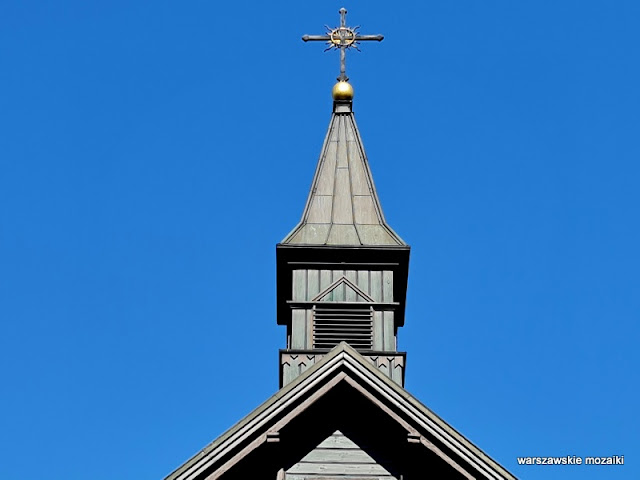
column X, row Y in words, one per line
column 342, row 271
column 342, row 410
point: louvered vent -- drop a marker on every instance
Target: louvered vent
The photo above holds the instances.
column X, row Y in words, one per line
column 334, row 325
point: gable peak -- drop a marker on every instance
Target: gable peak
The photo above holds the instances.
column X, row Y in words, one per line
column 327, row 293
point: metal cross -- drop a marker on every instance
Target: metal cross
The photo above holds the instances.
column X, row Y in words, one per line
column 342, row 37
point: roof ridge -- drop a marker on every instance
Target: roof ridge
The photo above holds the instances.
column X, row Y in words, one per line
column 315, row 382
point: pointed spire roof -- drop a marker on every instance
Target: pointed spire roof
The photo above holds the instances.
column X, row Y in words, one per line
column 343, row 207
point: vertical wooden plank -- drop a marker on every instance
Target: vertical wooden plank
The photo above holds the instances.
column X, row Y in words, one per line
column 327, row 174
column 351, row 275
column 288, row 373
column 387, row 286
column 338, row 293
column 384, row 368
column 325, row 279
column 378, row 331
column 341, row 153
column 313, row 283
column 309, row 321
column 363, row 281
column 376, row 285
column 299, row 285
column 396, row 374
column 389, row 337
column 298, row 329
column 342, row 213
column 350, row 295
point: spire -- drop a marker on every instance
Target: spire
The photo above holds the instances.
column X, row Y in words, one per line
column 343, row 207
column 342, row 271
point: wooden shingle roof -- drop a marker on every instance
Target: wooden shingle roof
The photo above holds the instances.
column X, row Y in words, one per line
column 343, row 207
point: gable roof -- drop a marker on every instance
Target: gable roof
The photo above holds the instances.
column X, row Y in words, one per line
column 342, row 366
column 343, row 207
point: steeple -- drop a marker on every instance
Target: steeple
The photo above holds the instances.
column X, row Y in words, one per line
column 343, row 207
column 341, row 410
column 342, row 271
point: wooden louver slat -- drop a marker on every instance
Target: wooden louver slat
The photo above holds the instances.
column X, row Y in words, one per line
column 334, row 325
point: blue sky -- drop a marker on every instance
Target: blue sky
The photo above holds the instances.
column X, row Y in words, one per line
column 153, row 153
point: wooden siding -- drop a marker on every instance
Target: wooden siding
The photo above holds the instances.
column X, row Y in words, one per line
column 310, row 285
column 378, row 284
column 298, row 329
column 337, row 455
column 389, row 337
column 294, row 363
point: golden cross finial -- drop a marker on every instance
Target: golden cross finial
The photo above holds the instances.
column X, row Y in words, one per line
column 342, row 38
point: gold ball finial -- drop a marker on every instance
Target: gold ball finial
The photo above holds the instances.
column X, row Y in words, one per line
column 342, row 91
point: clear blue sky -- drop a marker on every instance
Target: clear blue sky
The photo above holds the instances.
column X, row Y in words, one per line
column 152, row 153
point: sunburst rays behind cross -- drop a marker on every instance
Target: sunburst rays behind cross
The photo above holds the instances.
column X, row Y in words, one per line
column 342, row 38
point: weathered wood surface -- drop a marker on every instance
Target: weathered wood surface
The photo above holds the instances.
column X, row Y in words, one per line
column 299, row 284
column 350, row 294
column 299, row 329
column 362, row 280
column 321, row 210
column 364, row 210
column 337, row 456
column 343, row 235
column 337, row 441
column 378, row 331
column 293, row 364
column 389, row 336
column 341, row 152
column 375, row 287
column 342, row 289
column 326, row 179
column 343, row 207
column 315, row 285
column 340, row 456
column 324, row 285
column 338, row 469
column 359, row 183
column 326, row 279
column 341, row 477
column 377, row 284
column 387, row 286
